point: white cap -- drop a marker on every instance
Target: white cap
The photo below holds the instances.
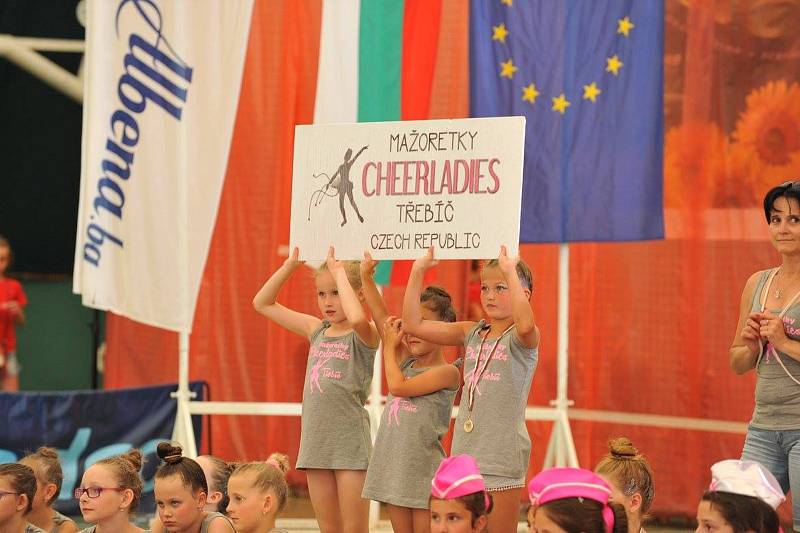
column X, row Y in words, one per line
column 747, row 478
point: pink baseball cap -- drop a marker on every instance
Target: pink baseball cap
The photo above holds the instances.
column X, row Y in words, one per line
column 457, row 476
column 559, row 483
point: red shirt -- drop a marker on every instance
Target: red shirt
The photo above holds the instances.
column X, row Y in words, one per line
column 10, row 291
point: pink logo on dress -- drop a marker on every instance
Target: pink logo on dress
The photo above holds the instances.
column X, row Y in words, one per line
column 313, row 377
column 397, row 405
column 394, row 409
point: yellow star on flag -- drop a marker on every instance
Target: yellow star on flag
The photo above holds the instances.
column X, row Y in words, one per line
column 507, row 2
column 530, row 93
column 613, row 64
column 500, row 33
column 560, row 103
column 508, row 69
column 624, row 26
column 591, row 91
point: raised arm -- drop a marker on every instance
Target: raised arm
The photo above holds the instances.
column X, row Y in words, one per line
column 351, row 305
column 372, row 296
column 745, row 345
column 445, row 333
column 266, row 304
column 437, row 378
column 521, row 309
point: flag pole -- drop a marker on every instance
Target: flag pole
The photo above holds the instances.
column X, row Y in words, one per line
column 561, row 448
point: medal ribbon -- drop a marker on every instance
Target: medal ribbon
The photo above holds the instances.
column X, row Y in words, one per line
column 479, row 371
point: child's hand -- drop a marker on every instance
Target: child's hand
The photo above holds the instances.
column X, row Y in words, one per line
column 508, row 265
column 393, row 333
column 368, row 265
column 426, row 262
column 333, row 264
column 293, row 260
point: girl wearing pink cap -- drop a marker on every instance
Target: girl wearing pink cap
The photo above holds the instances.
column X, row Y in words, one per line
column 573, row 500
column 335, row 443
column 459, row 500
column 500, row 358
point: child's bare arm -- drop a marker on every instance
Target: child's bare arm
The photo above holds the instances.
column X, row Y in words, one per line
column 266, row 304
column 353, row 310
column 521, row 309
column 444, row 333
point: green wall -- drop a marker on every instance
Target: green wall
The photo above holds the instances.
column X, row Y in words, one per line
column 55, row 345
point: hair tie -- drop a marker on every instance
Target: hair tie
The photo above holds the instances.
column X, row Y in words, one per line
column 173, row 458
column 275, row 463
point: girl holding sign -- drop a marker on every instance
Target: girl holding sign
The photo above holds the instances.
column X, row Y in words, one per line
column 500, row 359
column 335, row 442
column 422, row 387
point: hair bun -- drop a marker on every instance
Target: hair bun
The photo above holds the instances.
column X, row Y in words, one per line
column 622, row 448
column 134, row 458
column 279, row 461
column 169, row 453
column 47, row 452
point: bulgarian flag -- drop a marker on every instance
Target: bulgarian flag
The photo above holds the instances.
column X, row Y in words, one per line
column 376, row 63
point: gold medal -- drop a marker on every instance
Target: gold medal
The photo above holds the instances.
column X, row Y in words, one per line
column 468, row 425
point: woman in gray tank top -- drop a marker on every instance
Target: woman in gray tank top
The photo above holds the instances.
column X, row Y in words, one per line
column 499, row 364
column 768, row 340
column 335, row 440
column 422, row 387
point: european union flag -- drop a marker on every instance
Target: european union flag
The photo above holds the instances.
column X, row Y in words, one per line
column 588, row 75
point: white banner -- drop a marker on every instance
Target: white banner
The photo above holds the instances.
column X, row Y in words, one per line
column 162, row 81
column 397, row 188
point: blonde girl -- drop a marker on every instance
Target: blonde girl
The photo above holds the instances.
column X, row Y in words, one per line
column 631, row 480
column 49, row 476
column 500, row 359
column 258, row 493
column 335, row 442
column 110, row 491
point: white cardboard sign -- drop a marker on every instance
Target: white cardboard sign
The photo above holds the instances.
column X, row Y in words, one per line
column 396, row 188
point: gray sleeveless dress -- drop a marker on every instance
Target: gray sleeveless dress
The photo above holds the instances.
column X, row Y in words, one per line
column 211, row 517
column 499, row 440
column 334, row 424
column 777, row 396
column 59, row 519
column 408, row 447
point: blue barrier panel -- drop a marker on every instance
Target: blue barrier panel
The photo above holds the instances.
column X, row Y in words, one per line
column 86, row 426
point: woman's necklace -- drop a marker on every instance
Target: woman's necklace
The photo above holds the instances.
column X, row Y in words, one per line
column 778, row 293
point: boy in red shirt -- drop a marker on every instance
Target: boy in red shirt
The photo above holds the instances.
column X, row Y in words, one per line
column 12, row 302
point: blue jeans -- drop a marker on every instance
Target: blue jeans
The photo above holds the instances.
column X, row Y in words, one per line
column 779, row 452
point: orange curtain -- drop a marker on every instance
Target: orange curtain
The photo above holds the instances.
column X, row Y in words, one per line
column 650, row 323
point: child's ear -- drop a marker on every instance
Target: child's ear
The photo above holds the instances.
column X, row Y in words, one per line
column 269, row 503
column 49, row 491
column 214, row 497
column 527, row 293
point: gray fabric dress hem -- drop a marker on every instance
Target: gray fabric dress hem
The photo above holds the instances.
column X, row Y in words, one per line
column 334, row 467
column 399, row 502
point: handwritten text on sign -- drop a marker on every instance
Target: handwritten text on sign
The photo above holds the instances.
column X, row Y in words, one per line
column 397, row 188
